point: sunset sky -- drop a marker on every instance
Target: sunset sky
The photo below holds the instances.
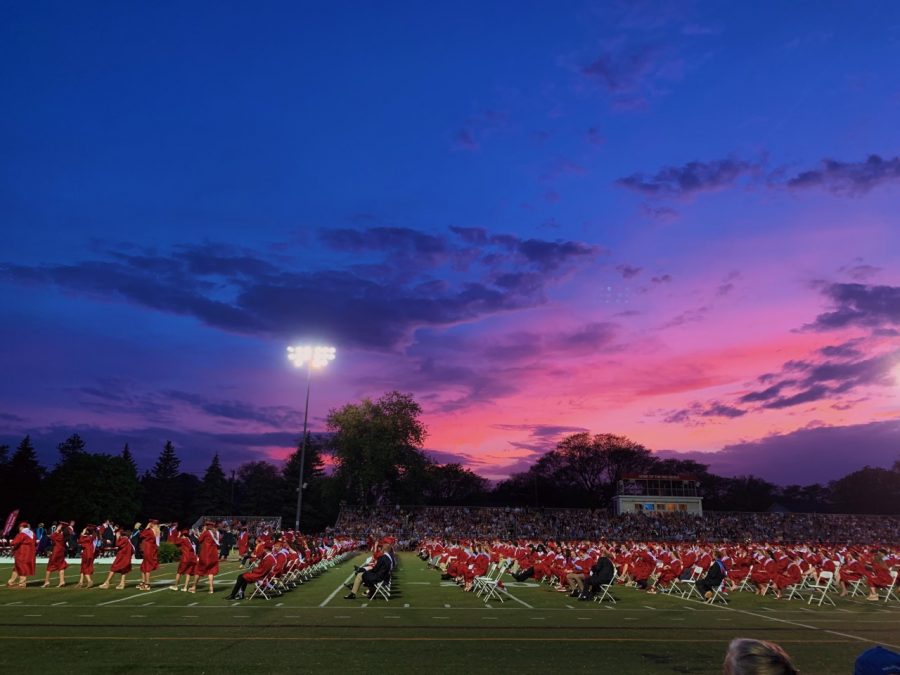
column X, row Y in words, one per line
column 675, row 221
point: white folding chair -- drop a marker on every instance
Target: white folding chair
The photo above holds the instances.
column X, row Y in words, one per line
column 745, row 582
column 889, row 592
column 823, row 585
column 607, row 590
column 718, row 595
column 690, row 585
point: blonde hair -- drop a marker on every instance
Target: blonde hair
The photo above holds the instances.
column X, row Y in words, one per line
column 757, row 657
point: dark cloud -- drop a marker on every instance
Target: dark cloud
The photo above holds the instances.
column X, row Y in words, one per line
column 861, row 272
column 688, row 416
column 846, row 350
column 373, row 305
column 630, row 70
column 447, row 457
column 628, row 271
column 859, row 305
column 690, row 178
column 814, row 393
column 819, row 454
column 848, row 178
column 464, row 139
column 279, row 417
column 392, row 239
column 552, row 431
column 662, row 279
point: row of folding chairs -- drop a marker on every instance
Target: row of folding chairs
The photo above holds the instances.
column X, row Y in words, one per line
column 294, row 574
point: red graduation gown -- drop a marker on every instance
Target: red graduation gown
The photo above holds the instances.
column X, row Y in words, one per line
column 150, row 550
column 86, row 541
column 23, row 554
column 57, row 559
column 122, row 562
column 208, row 562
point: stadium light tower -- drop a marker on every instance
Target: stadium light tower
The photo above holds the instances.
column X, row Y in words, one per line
column 311, row 357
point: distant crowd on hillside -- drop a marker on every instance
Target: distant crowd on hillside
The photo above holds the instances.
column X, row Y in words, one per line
column 412, row 524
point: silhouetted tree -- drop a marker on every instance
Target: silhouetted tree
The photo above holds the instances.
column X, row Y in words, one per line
column 25, row 475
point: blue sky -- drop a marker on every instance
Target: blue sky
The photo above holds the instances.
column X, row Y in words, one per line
column 537, row 218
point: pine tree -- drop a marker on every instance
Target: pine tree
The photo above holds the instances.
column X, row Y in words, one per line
column 25, row 474
column 129, row 459
column 73, row 445
column 166, row 467
column 214, row 494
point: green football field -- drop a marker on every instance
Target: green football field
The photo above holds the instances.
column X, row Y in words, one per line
column 429, row 626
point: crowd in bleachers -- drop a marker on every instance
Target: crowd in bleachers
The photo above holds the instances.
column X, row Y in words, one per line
column 414, row 524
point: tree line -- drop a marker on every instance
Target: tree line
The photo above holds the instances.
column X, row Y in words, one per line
column 377, row 456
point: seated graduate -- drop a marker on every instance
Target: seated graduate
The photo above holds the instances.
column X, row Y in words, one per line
column 715, row 575
column 261, row 571
column 380, row 572
column 602, row 573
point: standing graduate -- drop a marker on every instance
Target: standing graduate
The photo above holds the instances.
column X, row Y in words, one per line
column 188, row 563
column 122, row 562
column 150, row 551
column 208, row 563
column 57, row 561
column 87, row 542
column 24, row 550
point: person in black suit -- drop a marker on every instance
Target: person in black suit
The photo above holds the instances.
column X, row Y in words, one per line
column 715, row 575
column 380, row 572
column 602, row 573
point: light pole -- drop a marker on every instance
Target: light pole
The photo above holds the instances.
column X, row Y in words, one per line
column 311, row 357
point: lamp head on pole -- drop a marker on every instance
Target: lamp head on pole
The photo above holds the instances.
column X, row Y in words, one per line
column 317, row 357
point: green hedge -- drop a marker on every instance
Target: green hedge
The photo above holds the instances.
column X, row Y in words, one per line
column 169, row 553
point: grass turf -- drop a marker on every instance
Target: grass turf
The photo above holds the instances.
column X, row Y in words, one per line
column 428, row 626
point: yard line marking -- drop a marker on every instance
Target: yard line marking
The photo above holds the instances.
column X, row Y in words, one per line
column 279, row 604
column 146, row 604
column 631, row 618
column 192, row 604
column 241, row 616
column 17, row 602
column 584, row 618
column 419, row 583
column 649, row 607
column 677, row 618
column 337, row 617
column 539, row 618
column 34, row 615
column 521, row 602
column 570, row 606
column 489, row 618
column 365, row 604
column 57, row 604
column 391, row 617
column 336, row 591
column 190, row 616
column 446, row 606
column 164, row 588
column 406, row 605
column 235, row 604
column 85, row 616
column 138, row 616
column 440, row 617
column 846, row 610
column 806, row 625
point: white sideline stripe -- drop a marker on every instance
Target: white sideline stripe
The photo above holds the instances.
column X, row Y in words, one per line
column 57, row 604
column 335, row 591
column 521, row 602
column 446, row 606
column 805, row 625
column 146, row 593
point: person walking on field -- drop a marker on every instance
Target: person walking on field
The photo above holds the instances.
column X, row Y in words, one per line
column 150, row 551
column 24, row 550
column 86, row 542
column 208, row 558
column 122, row 562
column 57, row 561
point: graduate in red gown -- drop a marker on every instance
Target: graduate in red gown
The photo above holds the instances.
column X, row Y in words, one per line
column 122, row 562
column 57, row 561
column 86, row 542
column 187, row 565
column 23, row 548
column 150, row 551
column 877, row 576
column 208, row 556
